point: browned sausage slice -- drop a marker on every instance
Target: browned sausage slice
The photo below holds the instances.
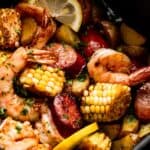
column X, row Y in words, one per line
column 142, row 103
column 65, row 57
column 66, row 114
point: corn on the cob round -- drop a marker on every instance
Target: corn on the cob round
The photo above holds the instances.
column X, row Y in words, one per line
column 43, row 79
column 105, row 102
column 96, row 141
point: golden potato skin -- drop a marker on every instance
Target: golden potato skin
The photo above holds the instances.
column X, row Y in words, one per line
column 29, row 28
column 130, row 36
column 10, row 28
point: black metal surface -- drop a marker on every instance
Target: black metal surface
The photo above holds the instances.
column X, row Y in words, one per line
column 144, row 144
column 136, row 13
column 7, row 3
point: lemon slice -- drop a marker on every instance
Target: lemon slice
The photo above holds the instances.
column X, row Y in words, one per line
column 70, row 142
column 68, row 12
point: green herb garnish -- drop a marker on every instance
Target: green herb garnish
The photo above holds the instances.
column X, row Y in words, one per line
column 18, row 128
column 24, row 111
column 2, row 112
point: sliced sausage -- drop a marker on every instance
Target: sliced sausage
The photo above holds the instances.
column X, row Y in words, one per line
column 66, row 114
column 142, row 103
column 65, row 57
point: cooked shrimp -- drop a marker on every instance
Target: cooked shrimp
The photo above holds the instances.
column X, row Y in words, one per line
column 15, row 135
column 40, row 14
column 41, row 147
column 15, row 106
column 110, row 66
column 46, row 129
column 43, row 35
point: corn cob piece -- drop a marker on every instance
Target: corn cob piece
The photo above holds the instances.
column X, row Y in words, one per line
column 4, row 56
column 96, row 141
column 43, row 80
column 105, row 102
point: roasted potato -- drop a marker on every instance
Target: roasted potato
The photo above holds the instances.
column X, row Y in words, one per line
column 29, row 28
column 130, row 36
column 130, row 125
column 66, row 35
column 111, row 31
column 96, row 141
column 132, row 50
column 126, row 143
column 112, row 130
column 144, row 130
column 79, row 85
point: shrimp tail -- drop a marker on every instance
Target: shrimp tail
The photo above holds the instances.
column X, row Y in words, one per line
column 139, row 76
column 40, row 14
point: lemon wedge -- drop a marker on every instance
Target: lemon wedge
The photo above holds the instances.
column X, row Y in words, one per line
column 70, row 142
column 68, row 12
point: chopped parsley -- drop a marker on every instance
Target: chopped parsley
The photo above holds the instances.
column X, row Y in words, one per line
column 24, row 111
column 18, row 128
column 30, row 52
column 18, row 31
column 65, row 116
column 2, row 112
column 29, row 101
column 82, row 77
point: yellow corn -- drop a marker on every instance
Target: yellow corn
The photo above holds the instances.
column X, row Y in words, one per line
column 4, row 56
column 44, row 80
column 105, row 102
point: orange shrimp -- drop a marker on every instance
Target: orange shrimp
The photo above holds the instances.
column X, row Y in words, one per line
column 14, row 105
column 110, row 66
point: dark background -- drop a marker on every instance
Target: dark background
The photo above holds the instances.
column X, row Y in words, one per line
column 134, row 12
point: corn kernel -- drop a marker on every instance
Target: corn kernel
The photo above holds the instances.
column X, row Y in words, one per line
column 85, row 93
column 92, row 108
column 95, row 117
column 50, row 69
column 87, row 100
column 38, row 76
column 107, row 108
column 97, row 109
column 32, row 71
column 30, row 75
column 28, row 81
column 102, row 108
column 40, row 87
column 35, row 81
column 91, row 88
column 50, row 84
column 39, row 71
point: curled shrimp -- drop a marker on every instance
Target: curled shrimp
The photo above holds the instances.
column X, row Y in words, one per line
column 16, row 106
column 110, row 66
column 46, row 129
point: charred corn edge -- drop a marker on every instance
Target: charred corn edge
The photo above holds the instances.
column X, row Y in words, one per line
column 74, row 139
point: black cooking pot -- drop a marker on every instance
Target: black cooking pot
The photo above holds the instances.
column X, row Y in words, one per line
column 135, row 13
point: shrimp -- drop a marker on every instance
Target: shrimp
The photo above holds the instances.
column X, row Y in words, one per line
column 15, row 135
column 15, row 106
column 110, row 66
column 46, row 129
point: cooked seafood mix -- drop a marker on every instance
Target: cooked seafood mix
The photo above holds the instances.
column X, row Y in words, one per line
column 71, row 78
